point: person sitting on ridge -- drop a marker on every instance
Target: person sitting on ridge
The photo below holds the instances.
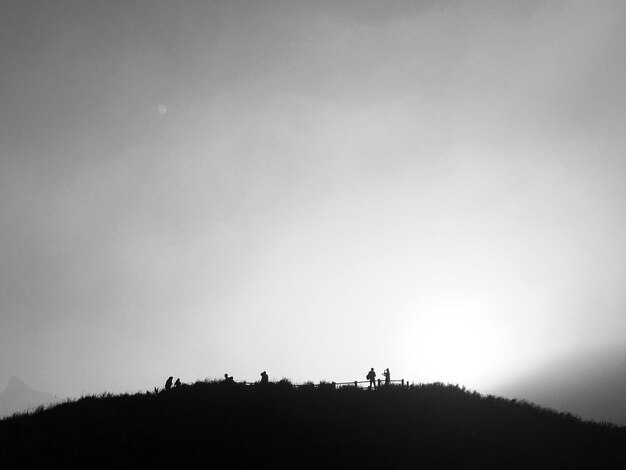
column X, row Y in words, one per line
column 387, row 375
column 177, row 383
column 168, row 383
column 264, row 378
column 371, row 376
column 228, row 380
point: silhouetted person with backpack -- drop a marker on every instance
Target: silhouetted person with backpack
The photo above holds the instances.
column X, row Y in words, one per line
column 387, row 375
column 168, row 383
column 371, row 376
column 264, row 378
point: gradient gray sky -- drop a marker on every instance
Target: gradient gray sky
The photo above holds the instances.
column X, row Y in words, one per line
column 313, row 188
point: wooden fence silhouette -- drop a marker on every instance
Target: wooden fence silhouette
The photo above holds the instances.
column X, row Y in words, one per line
column 335, row 385
column 356, row 383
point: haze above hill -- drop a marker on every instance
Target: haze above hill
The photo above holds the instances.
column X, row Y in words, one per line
column 591, row 385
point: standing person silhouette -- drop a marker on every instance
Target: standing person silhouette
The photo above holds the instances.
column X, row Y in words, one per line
column 264, row 378
column 168, row 383
column 371, row 376
column 387, row 375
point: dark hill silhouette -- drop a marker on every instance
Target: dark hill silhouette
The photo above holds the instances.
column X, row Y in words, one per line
column 279, row 426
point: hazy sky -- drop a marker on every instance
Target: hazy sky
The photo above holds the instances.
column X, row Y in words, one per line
column 311, row 188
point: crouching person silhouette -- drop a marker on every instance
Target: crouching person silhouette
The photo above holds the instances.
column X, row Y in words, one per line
column 371, row 376
column 264, row 378
column 228, row 380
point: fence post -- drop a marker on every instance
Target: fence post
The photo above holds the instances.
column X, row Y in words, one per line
column 334, row 386
column 403, row 382
column 355, row 384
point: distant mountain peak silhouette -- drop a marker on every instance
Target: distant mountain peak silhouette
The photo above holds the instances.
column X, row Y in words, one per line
column 16, row 384
column 19, row 397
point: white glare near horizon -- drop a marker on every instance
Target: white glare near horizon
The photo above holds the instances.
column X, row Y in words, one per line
column 443, row 277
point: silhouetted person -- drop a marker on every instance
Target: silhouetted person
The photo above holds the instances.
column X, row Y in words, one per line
column 371, row 376
column 168, row 383
column 177, row 383
column 264, row 378
column 387, row 375
column 228, row 380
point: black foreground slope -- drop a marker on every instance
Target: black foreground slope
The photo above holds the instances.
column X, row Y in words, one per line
column 279, row 426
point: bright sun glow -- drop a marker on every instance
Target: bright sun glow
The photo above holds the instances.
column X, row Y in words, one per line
column 452, row 340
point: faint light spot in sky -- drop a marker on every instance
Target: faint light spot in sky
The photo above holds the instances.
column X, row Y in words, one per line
column 162, row 109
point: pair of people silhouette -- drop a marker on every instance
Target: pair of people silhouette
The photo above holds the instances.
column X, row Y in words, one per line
column 168, row 383
column 371, row 376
